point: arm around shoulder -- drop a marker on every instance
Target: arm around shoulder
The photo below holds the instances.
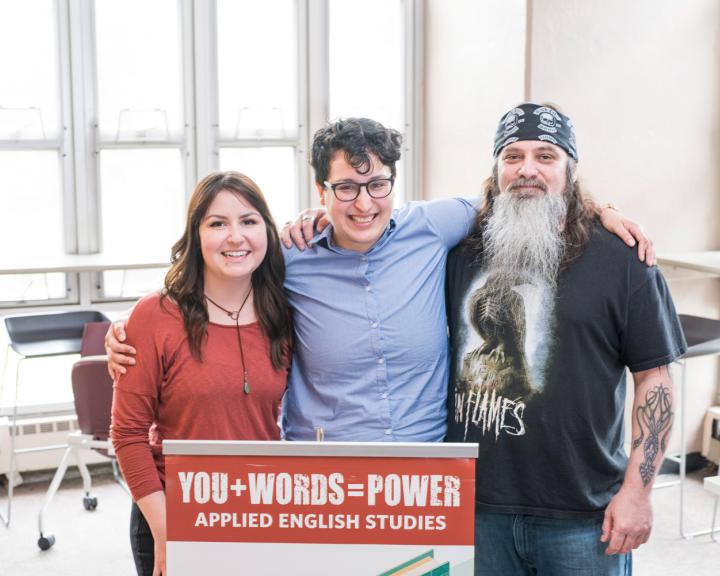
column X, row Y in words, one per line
column 628, row 231
column 452, row 219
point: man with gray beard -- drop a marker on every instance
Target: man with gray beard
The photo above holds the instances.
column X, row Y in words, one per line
column 546, row 310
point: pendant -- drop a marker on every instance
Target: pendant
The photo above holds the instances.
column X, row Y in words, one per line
column 246, row 386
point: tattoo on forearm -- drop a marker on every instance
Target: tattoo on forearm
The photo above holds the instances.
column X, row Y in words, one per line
column 654, row 419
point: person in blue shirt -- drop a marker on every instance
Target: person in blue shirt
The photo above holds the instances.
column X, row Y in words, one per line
column 370, row 356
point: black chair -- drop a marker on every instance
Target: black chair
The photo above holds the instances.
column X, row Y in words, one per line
column 93, row 393
column 703, row 339
column 36, row 336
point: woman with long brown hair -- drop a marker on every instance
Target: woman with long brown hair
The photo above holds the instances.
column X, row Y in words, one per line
column 214, row 345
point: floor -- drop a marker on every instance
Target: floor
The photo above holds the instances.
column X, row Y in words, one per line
column 667, row 554
column 87, row 543
column 96, row 543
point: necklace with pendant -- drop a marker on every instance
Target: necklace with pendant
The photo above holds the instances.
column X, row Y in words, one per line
column 235, row 315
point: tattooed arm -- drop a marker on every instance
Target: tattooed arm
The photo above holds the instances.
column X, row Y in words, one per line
column 628, row 517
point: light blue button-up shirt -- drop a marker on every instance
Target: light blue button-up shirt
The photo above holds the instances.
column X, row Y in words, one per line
column 370, row 352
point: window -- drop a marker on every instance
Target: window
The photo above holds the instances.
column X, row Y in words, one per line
column 117, row 107
column 366, row 78
column 141, row 147
column 366, row 75
column 258, row 130
column 30, row 109
column 32, row 147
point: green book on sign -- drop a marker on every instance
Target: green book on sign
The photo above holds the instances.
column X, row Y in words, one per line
column 422, row 565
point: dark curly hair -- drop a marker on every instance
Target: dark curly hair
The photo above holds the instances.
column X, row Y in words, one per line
column 184, row 282
column 357, row 138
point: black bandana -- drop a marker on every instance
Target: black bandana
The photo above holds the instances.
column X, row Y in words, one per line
column 534, row 122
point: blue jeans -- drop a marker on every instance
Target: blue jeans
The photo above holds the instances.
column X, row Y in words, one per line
column 518, row 545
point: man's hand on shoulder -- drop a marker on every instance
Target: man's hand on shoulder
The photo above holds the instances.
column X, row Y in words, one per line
column 628, row 231
column 309, row 222
column 628, row 520
column 119, row 354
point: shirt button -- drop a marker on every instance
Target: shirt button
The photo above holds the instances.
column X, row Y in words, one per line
column 381, row 360
column 384, row 395
column 388, row 432
column 374, row 325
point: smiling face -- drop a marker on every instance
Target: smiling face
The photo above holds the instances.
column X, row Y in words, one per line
column 358, row 224
column 233, row 239
column 531, row 168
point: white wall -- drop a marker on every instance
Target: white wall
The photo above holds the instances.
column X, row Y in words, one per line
column 641, row 82
column 474, row 69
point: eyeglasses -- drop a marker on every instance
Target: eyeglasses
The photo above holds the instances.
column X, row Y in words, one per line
column 348, row 191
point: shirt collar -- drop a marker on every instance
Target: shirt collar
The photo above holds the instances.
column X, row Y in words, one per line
column 324, row 238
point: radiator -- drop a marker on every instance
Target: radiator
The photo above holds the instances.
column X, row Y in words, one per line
column 37, row 432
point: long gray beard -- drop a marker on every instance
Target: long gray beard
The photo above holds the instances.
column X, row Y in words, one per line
column 523, row 240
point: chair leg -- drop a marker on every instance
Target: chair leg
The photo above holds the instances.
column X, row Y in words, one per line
column 11, row 472
column 683, row 450
column 10, row 475
column 84, row 472
column 90, row 502
column 54, row 485
column 13, row 432
column 5, row 515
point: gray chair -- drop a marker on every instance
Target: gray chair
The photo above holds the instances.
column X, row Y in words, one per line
column 703, row 339
column 37, row 336
column 93, row 393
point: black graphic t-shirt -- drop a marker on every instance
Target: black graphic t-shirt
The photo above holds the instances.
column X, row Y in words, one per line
column 537, row 374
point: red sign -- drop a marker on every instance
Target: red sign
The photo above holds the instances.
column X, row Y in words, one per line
column 338, row 500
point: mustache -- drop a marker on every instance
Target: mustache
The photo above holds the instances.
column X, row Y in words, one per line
column 527, row 182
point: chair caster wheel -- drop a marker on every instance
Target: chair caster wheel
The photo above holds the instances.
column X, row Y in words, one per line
column 90, row 503
column 46, row 542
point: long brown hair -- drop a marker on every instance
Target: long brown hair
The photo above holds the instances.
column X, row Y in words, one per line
column 185, row 282
column 582, row 213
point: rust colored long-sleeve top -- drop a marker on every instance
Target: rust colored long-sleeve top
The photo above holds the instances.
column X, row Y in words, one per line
column 171, row 395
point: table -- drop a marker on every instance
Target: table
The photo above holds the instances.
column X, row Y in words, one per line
column 702, row 261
